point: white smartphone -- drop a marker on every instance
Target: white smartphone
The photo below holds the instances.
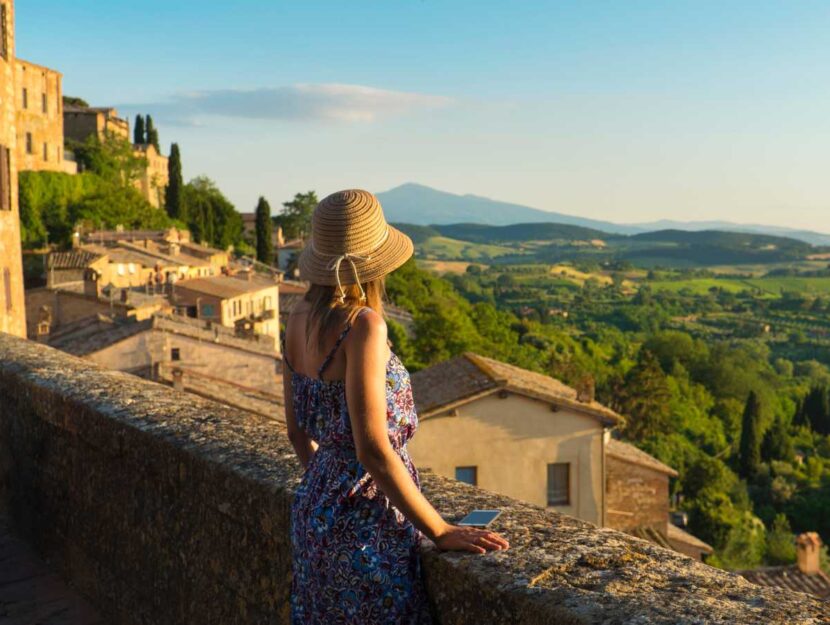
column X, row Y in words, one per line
column 480, row 518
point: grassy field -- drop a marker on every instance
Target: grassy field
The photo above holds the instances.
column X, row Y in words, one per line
column 447, row 266
column 769, row 286
column 453, row 249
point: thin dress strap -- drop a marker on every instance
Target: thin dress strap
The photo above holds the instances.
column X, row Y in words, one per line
column 337, row 343
column 285, row 354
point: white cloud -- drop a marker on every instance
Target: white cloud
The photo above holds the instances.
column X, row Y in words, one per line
column 307, row 102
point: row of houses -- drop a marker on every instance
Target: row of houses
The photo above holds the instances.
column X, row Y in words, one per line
column 44, row 124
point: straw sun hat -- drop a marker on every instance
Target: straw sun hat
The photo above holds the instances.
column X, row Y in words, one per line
column 351, row 242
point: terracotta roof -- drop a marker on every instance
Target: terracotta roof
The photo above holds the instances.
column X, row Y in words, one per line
column 465, row 377
column 790, row 577
column 628, row 452
column 93, row 334
column 677, row 534
column 225, row 286
column 80, row 259
column 647, row 532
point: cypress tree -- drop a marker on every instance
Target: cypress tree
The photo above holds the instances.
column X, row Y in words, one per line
column 264, row 242
column 152, row 134
column 750, row 447
column 139, row 132
column 777, row 443
column 173, row 200
column 816, row 409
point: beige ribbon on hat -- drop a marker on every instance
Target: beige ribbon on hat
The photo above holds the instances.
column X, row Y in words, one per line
column 335, row 264
column 351, row 257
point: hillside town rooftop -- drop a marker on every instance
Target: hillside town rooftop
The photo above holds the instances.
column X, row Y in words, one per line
column 470, row 376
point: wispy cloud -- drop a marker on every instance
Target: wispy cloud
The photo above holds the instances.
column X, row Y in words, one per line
column 304, row 102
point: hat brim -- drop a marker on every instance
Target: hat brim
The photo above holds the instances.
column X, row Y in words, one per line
column 393, row 252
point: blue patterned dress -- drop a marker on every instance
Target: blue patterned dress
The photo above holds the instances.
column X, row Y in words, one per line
column 354, row 555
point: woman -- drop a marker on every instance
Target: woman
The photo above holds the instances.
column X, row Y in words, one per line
column 358, row 513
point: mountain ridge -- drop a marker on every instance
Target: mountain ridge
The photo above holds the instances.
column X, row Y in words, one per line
column 418, row 204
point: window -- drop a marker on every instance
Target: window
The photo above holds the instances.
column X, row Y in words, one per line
column 120, row 269
column 4, row 31
column 5, row 179
column 175, row 354
column 559, row 487
column 45, row 151
column 44, row 102
column 131, row 267
column 207, row 310
column 25, row 98
column 468, row 475
column 7, row 281
column 30, row 148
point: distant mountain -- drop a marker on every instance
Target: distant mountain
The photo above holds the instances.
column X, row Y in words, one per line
column 421, row 205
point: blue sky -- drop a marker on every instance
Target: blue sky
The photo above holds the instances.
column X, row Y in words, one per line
column 628, row 111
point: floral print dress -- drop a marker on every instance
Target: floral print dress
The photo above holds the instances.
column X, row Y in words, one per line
column 355, row 556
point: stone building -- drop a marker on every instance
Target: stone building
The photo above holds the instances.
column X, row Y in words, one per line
column 81, row 122
column 193, row 355
column 40, row 119
column 245, row 301
column 12, row 306
column 637, row 499
column 514, row 432
column 155, row 177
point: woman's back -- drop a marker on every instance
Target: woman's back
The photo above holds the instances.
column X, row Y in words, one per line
column 355, row 555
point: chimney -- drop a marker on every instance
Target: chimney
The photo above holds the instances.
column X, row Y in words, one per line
column 92, row 284
column 585, row 389
column 807, row 549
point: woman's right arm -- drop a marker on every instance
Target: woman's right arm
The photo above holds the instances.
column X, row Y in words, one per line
column 366, row 358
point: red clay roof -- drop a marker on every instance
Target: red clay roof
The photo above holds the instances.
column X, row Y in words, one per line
column 790, row 577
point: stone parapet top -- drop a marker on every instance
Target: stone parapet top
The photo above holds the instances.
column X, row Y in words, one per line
column 558, row 569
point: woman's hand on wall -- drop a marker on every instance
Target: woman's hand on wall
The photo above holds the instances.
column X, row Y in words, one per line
column 477, row 540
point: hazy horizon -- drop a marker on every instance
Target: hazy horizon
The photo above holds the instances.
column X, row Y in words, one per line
column 628, row 113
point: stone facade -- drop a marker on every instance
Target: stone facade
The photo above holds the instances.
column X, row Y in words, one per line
column 636, row 496
column 155, row 177
column 167, row 509
column 12, row 307
column 40, row 119
column 80, row 122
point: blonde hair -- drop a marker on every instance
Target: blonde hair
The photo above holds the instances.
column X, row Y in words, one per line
column 328, row 312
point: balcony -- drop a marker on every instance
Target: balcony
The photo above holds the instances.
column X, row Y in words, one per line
column 165, row 508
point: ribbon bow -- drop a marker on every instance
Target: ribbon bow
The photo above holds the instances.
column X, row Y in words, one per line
column 335, row 265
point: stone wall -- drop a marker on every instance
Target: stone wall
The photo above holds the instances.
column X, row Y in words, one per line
column 168, row 509
column 39, row 118
column 635, row 496
column 12, row 307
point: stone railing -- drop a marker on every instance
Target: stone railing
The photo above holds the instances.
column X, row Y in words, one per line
column 169, row 509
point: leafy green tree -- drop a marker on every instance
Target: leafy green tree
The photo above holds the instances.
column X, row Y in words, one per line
column 69, row 100
column 749, row 457
column 152, row 134
column 139, row 131
column 780, row 541
column 174, row 202
column 212, row 218
column 295, row 218
column 645, row 399
column 264, row 240
column 112, row 159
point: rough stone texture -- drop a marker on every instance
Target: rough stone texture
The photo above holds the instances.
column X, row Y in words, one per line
column 636, row 496
column 12, row 306
column 169, row 509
